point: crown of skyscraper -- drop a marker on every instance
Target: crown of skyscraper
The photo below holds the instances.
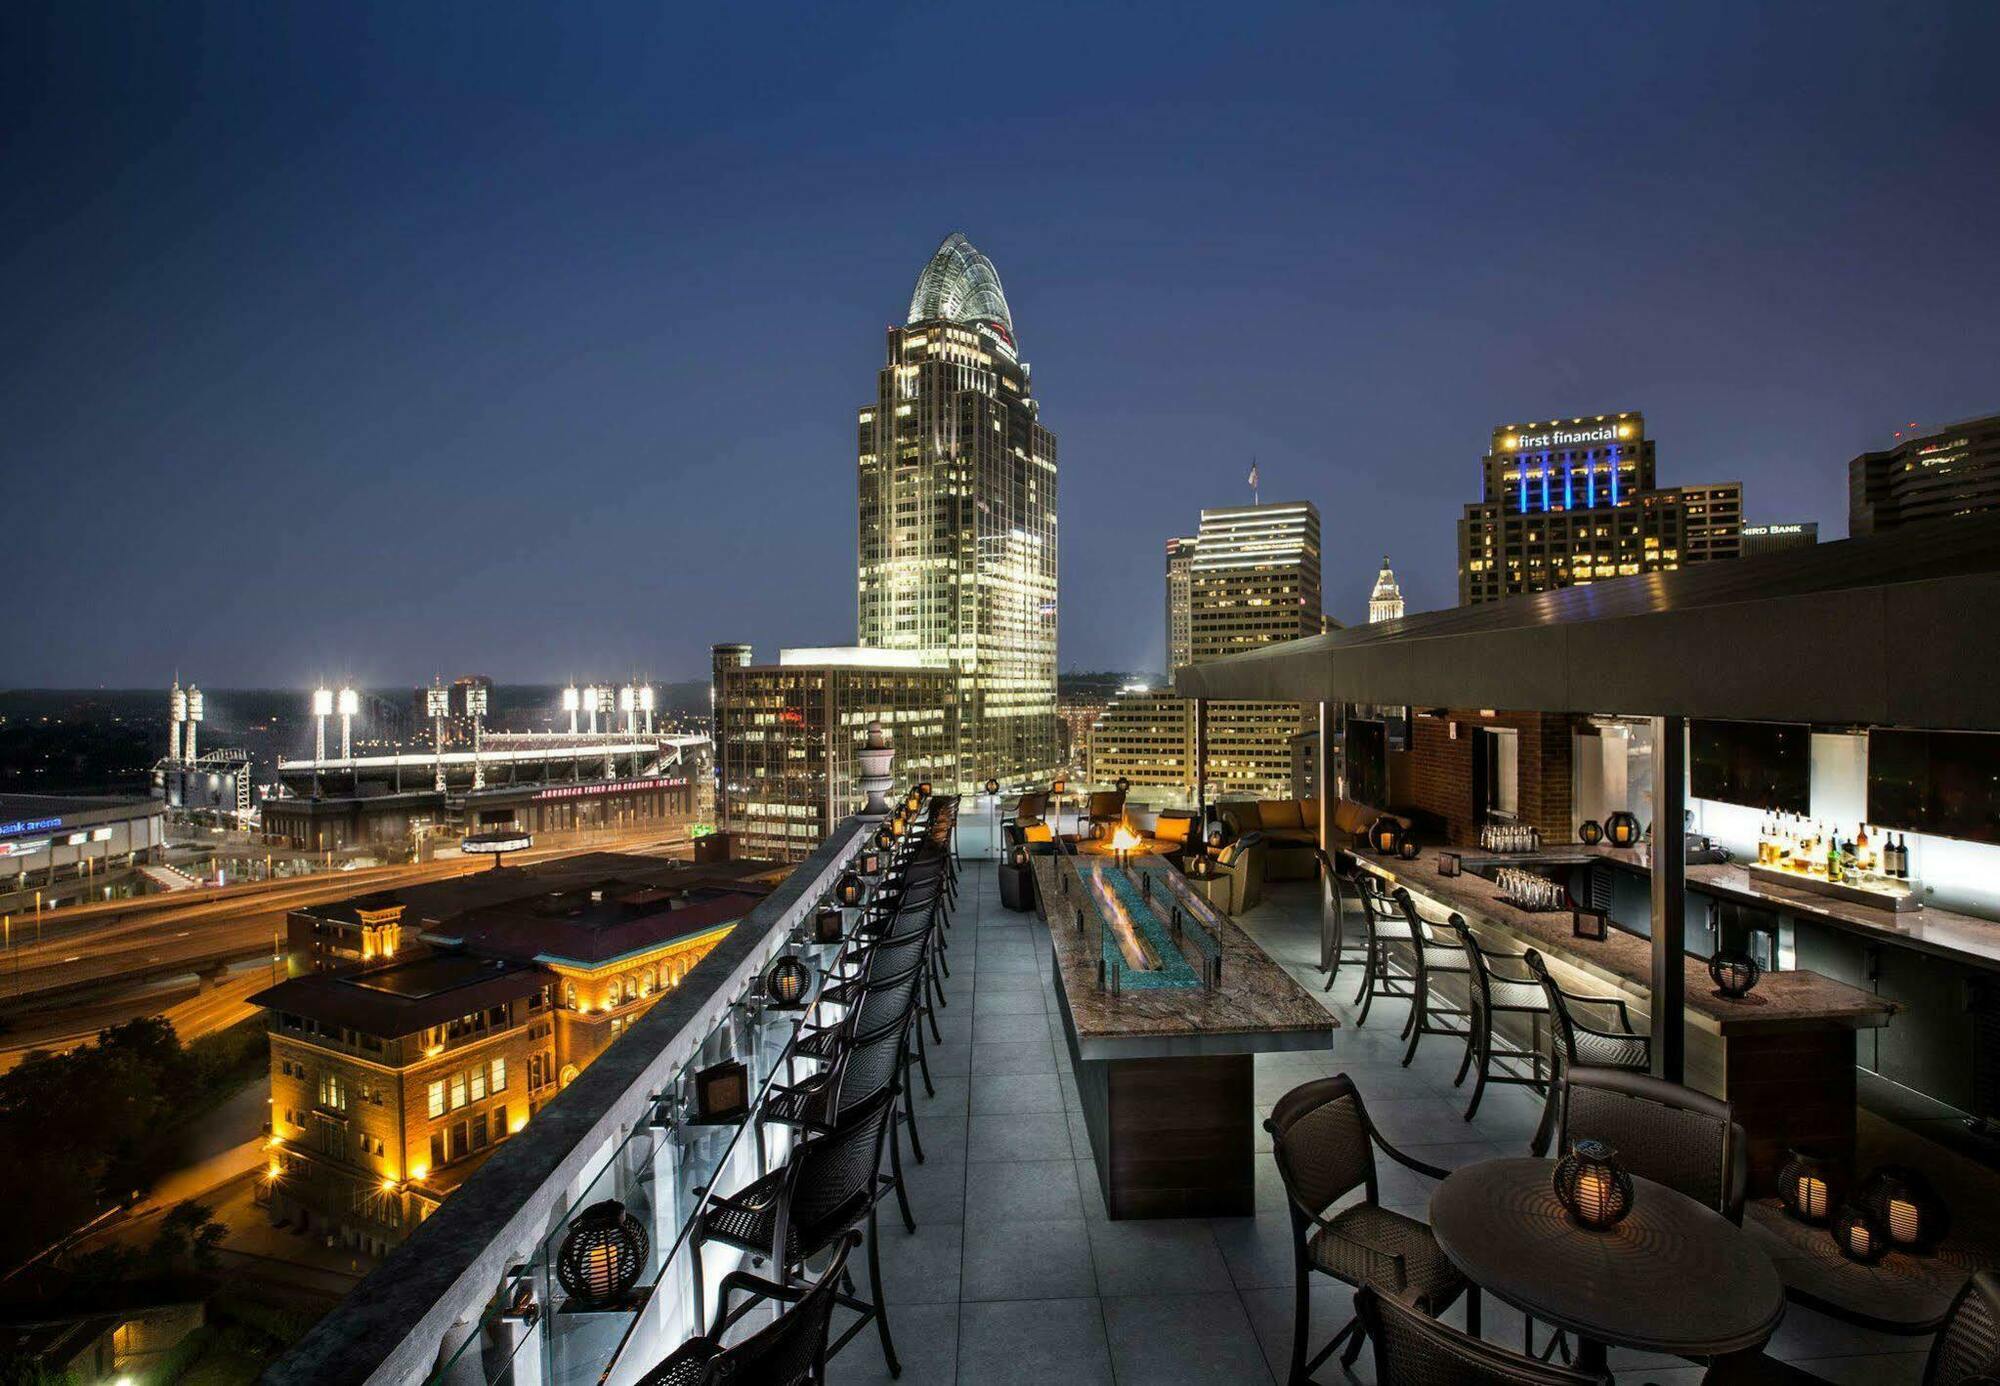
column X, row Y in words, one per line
column 960, row 285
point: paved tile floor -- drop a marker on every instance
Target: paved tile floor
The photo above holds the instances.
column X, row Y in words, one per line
column 1015, row 1274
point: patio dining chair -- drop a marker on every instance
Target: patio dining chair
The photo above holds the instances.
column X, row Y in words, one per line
column 1389, row 943
column 1414, row 1349
column 829, row 1189
column 788, row 1351
column 1325, row 1147
column 1965, row 1352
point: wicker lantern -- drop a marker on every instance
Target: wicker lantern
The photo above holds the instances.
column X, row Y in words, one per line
column 992, row 785
column 1060, row 785
column 1407, row 849
column 1121, row 784
column 1734, row 974
column 1385, row 835
column 1623, row 829
column 884, row 838
column 1591, row 833
column 1904, row 1205
column 1806, row 1186
column 848, row 891
column 602, row 1254
column 1857, row 1234
column 1019, row 855
column 1592, row 1187
column 788, row 983
column 871, row 861
column 924, row 789
column 910, row 804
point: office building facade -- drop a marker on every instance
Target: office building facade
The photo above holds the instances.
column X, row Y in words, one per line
column 1930, row 475
column 787, row 734
column 1254, row 579
column 1569, row 501
column 1776, row 538
column 957, row 518
column 1180, row 602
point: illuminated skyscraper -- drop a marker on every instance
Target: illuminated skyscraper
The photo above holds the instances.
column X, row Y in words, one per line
column 958, row 516
column 1385, row 603
column 1180, row 621
column 1570, row 501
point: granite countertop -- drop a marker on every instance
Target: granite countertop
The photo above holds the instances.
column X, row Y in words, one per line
column 1782, row 1000
column 1963, row 937
column 1258, row 1008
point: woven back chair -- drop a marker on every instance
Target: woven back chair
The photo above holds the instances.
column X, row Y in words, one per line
column 791, row 1350
column 1325, row 1145
column 1662, row 1131
column 1575, row 1044
column 1967, row 1348
column 1414, row 1349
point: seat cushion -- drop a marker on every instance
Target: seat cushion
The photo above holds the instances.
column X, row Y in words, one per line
column 1351, row 817
column 1361, row 1245
column 1241, row 816
column 1278, row 813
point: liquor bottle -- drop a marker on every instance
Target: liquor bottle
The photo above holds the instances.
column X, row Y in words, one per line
column 1902, row 856
column 1864, row 853
column 1834, row 869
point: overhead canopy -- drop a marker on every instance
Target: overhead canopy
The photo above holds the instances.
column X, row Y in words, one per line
column 1900, row 628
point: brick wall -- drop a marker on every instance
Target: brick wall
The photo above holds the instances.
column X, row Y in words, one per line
column 1440, row 772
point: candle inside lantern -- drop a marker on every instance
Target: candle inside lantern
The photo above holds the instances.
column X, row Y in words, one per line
column 1905, row 1223
column 1812, row 1196
column 1860, row 1240
column 600, row 1267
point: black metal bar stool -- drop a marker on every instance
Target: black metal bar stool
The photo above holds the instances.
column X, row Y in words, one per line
column 1439, row 955
column 1387, row 931
column 1496, row 994
column 1341, row 891
column 1577, row 1045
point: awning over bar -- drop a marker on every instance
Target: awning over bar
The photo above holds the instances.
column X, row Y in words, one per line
column 1895, row 629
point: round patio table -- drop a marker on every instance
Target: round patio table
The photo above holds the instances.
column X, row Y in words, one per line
column 1673, row 1277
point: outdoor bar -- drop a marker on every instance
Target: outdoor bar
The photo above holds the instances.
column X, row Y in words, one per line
column 1655, row 795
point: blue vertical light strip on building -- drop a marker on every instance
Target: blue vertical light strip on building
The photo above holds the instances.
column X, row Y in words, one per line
column 1569, row 484
column 1524, row 486
column 1614, row 476
column 1545, row 481
column 1590, row 486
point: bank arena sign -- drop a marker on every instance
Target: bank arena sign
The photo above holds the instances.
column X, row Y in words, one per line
column 1577, row 435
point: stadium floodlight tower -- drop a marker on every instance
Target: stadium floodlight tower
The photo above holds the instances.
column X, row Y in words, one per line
column 590, row 706
column 570, row 703
column 437, row 702
column 177, row 712
column 322, row 709
column 348, row 704
column 628, row 703
column 646, row 704
column 475, row 708
column 195, row 714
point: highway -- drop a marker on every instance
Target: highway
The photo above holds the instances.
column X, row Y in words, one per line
column 121, row 946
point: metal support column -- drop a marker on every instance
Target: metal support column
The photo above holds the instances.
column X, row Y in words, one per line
column 1669, row 872
column 1323, row 785
column 1201, row 767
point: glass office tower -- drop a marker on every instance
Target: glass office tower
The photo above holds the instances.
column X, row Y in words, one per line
column 957, row 522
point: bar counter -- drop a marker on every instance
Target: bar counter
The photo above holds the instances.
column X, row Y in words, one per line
column 1784, row 1056
column 1166, row 1074
column 1945, row 933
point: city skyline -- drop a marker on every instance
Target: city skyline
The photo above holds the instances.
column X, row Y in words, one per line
column 276, row 282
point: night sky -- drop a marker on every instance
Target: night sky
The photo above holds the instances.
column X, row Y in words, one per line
column 389, row 340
